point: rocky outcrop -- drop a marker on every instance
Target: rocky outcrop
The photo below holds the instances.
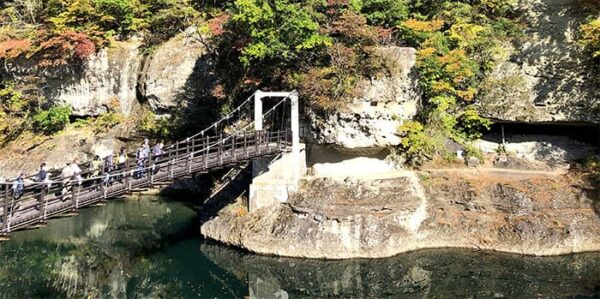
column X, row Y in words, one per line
column 178, row 71
column 520, row 212
column 117, row 78
column 107, row 80
column 372, row 120
column 549, row 77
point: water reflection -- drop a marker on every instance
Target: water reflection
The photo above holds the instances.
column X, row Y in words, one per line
column 435, row 273
column 150, row 249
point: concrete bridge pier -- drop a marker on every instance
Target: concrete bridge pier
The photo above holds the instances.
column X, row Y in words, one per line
column 275, row 179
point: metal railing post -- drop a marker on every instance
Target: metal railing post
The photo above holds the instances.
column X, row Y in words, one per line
column 5, row 226
column 246, row 145
column 127, row 176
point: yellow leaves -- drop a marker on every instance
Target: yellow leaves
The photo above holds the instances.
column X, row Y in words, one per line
column 465, row 34
column 427, row 52
column 467, row 95
column 591, row 36
column 423, row 26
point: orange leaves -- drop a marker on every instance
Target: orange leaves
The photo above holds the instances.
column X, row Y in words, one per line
column 450, row 73
column 13, row 48
column 215, row 25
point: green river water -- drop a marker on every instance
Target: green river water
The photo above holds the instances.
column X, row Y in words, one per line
column 150, row 248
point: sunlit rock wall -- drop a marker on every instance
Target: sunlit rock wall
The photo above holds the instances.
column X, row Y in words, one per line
column 549, row 76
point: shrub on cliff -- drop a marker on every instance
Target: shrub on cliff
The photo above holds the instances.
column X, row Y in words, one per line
column 52, row 120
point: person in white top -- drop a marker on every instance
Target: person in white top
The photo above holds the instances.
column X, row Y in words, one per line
column 67, row 175
column 76, row 171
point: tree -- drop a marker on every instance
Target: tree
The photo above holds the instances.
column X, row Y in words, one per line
column 276, row 29
column 386, row 13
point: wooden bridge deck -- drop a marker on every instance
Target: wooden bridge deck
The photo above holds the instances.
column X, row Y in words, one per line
column 198, row 155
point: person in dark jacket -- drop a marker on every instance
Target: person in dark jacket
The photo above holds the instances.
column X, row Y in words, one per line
column 19, row 186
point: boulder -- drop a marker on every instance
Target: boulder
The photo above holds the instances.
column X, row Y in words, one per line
column 178, row 71
column 372, row 120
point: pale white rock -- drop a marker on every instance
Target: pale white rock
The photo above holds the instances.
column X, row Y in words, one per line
column 107, row 80
column 372, row 120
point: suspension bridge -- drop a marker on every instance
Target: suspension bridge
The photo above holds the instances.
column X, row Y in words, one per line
column 230, row 141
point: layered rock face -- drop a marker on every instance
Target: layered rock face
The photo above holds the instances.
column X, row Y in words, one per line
column 524, row 213
column 118, row 77
column 108, row 80
column 372, row 120
column 549, row 76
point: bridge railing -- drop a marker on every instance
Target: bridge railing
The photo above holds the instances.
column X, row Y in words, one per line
column 42, row 200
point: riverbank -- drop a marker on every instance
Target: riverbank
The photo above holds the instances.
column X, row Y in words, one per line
column 525, row 212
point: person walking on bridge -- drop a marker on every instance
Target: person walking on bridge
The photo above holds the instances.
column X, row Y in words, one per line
column 96, row 169
column 157, row 152
column 67, row 175
column 19, row 186
column 121, row 160
column 76, row 171
column 141, row 155
column 42, row 177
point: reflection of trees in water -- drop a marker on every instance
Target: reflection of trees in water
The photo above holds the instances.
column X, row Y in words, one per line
column 98, row 259
column 439, row 273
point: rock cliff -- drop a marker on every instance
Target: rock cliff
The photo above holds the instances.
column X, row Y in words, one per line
column 549, row 76
column 123, row 76
column 178, row 71
column 371, row 121
column 107, row 80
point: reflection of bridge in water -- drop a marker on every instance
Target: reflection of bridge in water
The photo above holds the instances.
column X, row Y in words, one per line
column 271, row 133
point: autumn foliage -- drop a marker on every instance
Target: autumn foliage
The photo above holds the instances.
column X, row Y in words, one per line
column 13, row 48
column 66, row 47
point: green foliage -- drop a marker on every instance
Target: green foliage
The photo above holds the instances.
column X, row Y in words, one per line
column 471, row 124
column 107, row 121
column 458, row 43
column 52, row 120
column 386, row 13
column 119, row 15
column 590, row 36
column 417, row 143
column 11, row 99
column 152, row 126
column 276, row 29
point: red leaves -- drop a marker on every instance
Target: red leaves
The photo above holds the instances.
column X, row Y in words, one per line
column 63, row 48
column 13, row 48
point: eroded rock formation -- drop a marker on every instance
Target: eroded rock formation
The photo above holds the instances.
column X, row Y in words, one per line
column 535, row 214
